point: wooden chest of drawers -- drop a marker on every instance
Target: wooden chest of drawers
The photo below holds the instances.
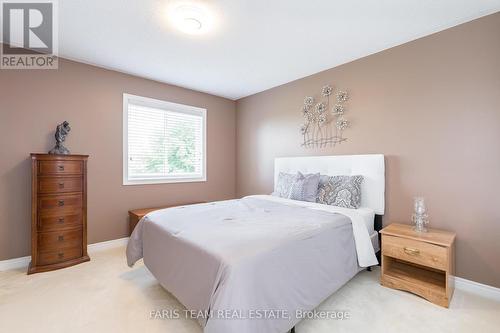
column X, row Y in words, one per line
column 58, row 211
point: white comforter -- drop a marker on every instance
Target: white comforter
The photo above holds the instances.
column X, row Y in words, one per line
column 259, row 253
column 364, row 247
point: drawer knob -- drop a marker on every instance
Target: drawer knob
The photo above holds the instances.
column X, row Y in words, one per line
column 60, row 167
column 60, row 238
column 411, row 251
column 60, row 203
column 60, row 220
column 61, row 185
column 60, row 255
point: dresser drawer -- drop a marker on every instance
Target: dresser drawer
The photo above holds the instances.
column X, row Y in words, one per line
column 60, row 167
column 60, row 221
column 416, row 252
column 54, row 257
column 60, row 184
column 49, row 205
column 56, row 240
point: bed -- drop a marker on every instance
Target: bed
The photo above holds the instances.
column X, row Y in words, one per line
column 254, row 264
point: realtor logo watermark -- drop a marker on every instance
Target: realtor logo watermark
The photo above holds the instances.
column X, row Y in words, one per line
column 29, row 34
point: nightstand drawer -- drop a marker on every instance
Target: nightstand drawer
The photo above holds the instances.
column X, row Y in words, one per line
column 420, row 253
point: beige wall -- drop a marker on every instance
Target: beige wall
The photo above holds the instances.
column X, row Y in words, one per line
column 32, row 103
column 432, row 107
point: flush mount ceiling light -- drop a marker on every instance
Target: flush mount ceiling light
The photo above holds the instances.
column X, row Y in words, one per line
column 190, row 18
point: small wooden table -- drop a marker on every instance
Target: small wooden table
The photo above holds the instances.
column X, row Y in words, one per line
column 421, row 263
column 136, row 215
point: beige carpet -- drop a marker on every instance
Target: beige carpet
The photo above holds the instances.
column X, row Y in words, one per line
column 105, row 295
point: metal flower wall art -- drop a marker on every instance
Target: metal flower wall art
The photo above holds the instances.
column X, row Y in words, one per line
column 324, row 126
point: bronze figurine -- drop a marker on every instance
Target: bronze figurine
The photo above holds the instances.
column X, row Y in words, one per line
column 61, row 131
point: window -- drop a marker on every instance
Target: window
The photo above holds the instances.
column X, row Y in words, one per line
column 163, row 142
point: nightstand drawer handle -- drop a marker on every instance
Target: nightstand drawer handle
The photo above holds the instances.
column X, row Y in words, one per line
column 61, row 220
column 61, row 185
column 411, row 251
column 60, row 203
column 60, row 167
column 60, row 238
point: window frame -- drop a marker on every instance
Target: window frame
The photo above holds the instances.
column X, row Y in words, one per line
column 168, row 106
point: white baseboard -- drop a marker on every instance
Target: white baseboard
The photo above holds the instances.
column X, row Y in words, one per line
column 15, row 263
column 107, row 244
column 477, row 288
column 23, row 262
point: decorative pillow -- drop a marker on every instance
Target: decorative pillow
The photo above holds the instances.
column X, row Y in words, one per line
column 284, row 186
column 341, row 191
column 323, row 179
column 305, row 187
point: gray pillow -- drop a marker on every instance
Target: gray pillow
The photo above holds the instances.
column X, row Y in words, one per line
column 284, row 185
column 341, row 191
column 323, row 179
column 305, row 187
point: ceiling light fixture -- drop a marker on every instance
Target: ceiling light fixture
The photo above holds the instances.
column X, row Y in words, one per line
column 190, row 24
column 190, row 18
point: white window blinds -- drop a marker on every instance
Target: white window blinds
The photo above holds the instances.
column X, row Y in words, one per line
column 165, row 142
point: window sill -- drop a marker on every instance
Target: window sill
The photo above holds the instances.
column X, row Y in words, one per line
column 163, row 181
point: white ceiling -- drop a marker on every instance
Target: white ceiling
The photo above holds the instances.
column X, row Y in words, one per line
column 256, row 44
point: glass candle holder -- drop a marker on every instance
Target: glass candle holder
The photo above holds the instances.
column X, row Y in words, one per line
column 420, row 217
column 419, row 204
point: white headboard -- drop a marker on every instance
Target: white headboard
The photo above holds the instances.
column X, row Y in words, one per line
column 371, row 167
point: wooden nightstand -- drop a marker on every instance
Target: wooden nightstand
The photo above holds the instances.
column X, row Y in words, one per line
column 421, row 263
column 137, row 214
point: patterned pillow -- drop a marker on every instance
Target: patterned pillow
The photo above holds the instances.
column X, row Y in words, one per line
column 305, row 187
column 285, row 184
column 341, row 191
